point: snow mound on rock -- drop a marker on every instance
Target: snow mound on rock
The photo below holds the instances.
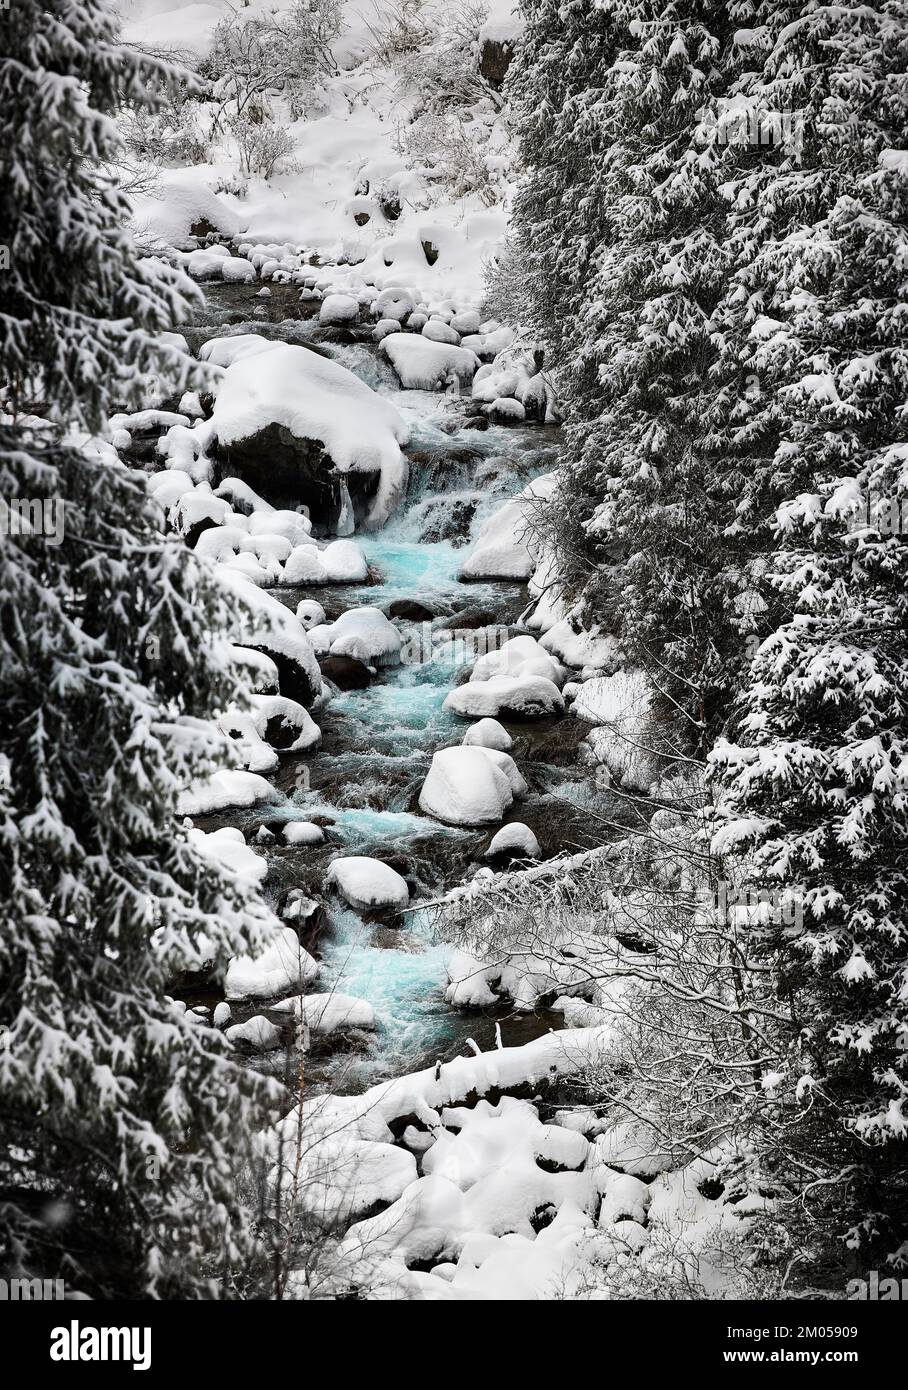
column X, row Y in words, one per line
column 470, row 785
column 515, row 839
column 315, row 398
column 425, row 366
column 523, row 697
column 284, row 965
column 368, row 884
column 363, row 633
column 506, row 547
column 488, row 733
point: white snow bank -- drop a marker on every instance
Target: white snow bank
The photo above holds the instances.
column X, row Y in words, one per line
column 620, row 705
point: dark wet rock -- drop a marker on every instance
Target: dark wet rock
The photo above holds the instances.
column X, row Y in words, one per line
column 411, row 610
column 494, row 60
column 191, row 536
column 475, row 422
column 471, row 618
column 346, row 672
column 293, row 679
column 430, row 251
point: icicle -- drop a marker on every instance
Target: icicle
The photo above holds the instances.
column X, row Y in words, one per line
column 346, row 522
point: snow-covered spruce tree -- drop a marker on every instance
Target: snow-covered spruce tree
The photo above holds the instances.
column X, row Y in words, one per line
column 814, row 775
column 624, row 230
column 123, row 1119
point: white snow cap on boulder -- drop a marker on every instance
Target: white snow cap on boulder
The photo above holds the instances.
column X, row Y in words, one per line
column 310, row 613
column 470, row 785
column 325, row 1013
column 284, row 965
column 488, row 733
column 425, row 366
column 517, row 658
column 515, row 839
column 363, row 633
column 368, row 884
column 341, row 562
column 317, row 399
column 522, row 697
column 506, row 547
column 338, row 309
column 258, row 1032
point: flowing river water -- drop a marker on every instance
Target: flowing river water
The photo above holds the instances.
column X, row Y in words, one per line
column 362, row 784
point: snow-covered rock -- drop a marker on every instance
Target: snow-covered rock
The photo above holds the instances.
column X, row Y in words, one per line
column 221, row 790
column 470, row 786
column 520, row 697
column 368, row 884
column 516, row 840
column 488, row 733
column 257, row 1032
column 363, row 633
column 326, row 1013
column 341, row 562
column 310, row 613
column 517, row 658
column 228, row 848
column 302, row 832
column 506, row 547
column 337, row 309
column 426, row 366
column 334, row 417
column 284, row 965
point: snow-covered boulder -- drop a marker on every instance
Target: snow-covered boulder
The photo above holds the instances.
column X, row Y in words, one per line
column 470, row 786
column 326, row 1013
column 363, row 633
column 257, row 1032
column 437, row 331
column 515, row 840
column 228, row 848
column 520, row 697
column 488, row 733
column 290, row 420
column 517, row 658
column 271, row 628
column 284, row 965
column 310, row 613
column 505, row 410
column 368, row 884
column 506, row 547
column 340, row 562
column 222, row 790
column 338, row 309
column 394, row 304
column 426, row 366
column 303, row 832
